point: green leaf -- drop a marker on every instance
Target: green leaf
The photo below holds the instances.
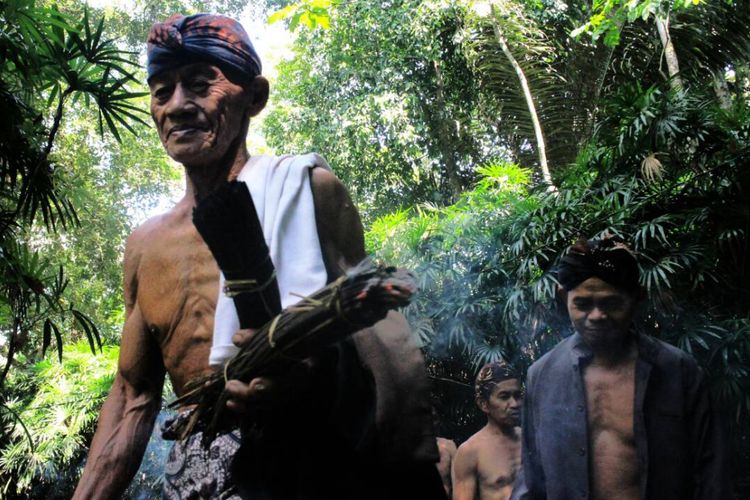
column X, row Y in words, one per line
column 284, row 13
column 47, row 336
column 58, row 339
column 92, row 333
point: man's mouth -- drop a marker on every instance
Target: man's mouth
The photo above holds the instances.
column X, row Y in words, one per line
column 185, row 129
column 597, row 331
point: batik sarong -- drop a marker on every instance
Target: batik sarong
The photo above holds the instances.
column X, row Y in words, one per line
column 193, row 472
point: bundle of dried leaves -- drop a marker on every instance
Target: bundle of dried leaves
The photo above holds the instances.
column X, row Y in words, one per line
column 355, row 301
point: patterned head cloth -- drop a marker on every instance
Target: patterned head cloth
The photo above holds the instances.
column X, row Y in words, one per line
column 490, row 375
column 218, row 40
column 608, row 259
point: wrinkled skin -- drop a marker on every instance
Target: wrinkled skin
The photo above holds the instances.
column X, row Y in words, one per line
column 195, row 109
column 486, row 464
column 171, row 279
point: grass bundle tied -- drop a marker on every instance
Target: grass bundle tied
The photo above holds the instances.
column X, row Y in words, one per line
column 357, row 300
column 228, row 223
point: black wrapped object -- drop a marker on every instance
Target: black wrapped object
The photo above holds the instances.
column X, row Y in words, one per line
column 228, row 223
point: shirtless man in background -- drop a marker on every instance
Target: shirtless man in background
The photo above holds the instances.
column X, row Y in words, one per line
column 611, row 414
column 447, row 451
column 205, row 83
column 486, row 464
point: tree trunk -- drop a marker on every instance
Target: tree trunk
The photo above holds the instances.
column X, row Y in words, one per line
column 594, row 100
column 444, row 135
column 722, row 90
column 529, row 100
column 670, row 55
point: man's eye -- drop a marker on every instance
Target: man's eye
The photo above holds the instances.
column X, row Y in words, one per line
column 199, row 86
column 163, row 93
column 612, row 305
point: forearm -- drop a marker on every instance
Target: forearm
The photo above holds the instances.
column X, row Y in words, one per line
column 125, row 426
column 464, row 490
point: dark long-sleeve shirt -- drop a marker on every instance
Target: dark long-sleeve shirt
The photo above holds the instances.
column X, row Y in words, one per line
column 680, row 450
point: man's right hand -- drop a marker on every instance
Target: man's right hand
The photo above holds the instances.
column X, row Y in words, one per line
column 264, row 391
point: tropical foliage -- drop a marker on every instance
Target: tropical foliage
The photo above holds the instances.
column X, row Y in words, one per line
column 486, row 263
column 663, row 166
column 58, row 404
column 46, row 63
column 70, row 100
column 478, row 138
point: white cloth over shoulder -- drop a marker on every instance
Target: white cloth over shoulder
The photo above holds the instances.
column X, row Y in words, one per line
column 281, row 191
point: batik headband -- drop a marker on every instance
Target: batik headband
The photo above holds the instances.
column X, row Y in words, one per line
column 216, row 39
column 490, row 375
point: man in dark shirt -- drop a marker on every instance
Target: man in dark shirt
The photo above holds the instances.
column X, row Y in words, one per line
column 611, row 414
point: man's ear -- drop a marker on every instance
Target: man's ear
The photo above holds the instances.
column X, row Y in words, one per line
column 482, row 404
column 257, row 92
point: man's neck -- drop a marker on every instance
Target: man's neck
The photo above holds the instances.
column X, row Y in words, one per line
column 615, row 353
column 502, row 428
column 205, row 179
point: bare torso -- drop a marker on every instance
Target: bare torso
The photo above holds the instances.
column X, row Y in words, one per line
column 173, row 280
column 177, row 287
column 613, row 464
column 495, row 459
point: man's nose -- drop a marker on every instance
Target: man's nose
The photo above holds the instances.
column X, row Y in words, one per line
column 180, row 102
column 515, row 402
column 597, row 314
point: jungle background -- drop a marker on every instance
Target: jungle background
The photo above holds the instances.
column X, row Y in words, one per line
column 479, row 140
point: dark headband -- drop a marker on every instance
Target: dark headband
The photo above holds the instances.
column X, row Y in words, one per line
column 608, row 259
column 216, row 39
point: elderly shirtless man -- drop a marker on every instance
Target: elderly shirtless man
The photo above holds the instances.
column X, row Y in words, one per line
column 486, row 464
column 353, row 422
column 611, row 414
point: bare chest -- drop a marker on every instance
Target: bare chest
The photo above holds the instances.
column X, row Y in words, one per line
column 498, row 462
column 178, row 284
column 175, row 274
column 610, row 397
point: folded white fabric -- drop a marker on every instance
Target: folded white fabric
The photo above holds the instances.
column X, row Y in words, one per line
column 281, row 192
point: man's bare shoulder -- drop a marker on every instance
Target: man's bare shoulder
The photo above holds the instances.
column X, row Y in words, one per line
column 148, row 232
column 446, row 445
column 479, row 437
column 469, row 448
column 339, row 226
column 326, row 185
